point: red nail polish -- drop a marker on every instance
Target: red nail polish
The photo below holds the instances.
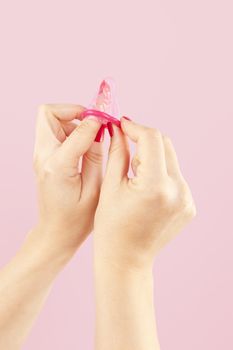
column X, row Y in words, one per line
column 100, row 134
column 127, row 118
column 110, row 129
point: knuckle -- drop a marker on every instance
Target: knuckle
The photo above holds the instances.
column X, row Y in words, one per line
column 76, row 130
column 85, row 124
column 167, row 139
column 194, row 211
column 185, row 203
column 45, row 171
column 163, row 196
column 44, row 112
column 94, row 157
column 115, row 147
column 81, row 128
column 189, row 210
column 152, row 133
column 160, row 194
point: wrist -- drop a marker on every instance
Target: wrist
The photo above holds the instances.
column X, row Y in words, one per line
column 42, row 249
column 121, row 259
column 124, row 299
column 114, row 268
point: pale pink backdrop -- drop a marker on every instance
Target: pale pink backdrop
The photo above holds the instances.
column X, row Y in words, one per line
column 173, row 63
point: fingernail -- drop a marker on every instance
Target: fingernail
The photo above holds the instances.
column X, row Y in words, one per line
column 100, row 134
column 127, row 118
column 110, row 129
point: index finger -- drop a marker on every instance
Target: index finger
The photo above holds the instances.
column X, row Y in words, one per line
column 64, row 112
column 150, row 149
column 50, row 120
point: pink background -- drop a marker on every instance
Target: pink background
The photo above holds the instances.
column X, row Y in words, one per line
column 173, row 63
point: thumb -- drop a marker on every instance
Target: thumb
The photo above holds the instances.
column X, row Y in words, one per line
column 131, row 129
column 79, row 140
column 118, row 157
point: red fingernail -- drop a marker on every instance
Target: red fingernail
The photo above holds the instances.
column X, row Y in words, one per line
column 127, row 118
column 110, row 129
column 100, row 134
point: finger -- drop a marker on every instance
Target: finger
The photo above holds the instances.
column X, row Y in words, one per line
column 68, row 127
column 79, row 141
column 173, row 167
column 92, row 168
column 49, row 131
column 118, row 156
column 150, row 149
column 65, row 112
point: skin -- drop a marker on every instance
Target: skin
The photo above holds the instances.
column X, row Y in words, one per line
column 67, row 200
column 133, row 218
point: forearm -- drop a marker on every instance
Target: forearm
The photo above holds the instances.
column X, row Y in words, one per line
column 125, row 317
column 24, row 285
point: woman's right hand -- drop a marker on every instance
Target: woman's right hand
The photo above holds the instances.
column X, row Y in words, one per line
column 68, row 192
column 137, row 216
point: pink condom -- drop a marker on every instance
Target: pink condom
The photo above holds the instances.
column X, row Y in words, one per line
column 105, row 107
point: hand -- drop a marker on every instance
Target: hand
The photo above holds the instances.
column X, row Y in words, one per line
column 67, row 195
column 67, row 202
column 137, row 216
